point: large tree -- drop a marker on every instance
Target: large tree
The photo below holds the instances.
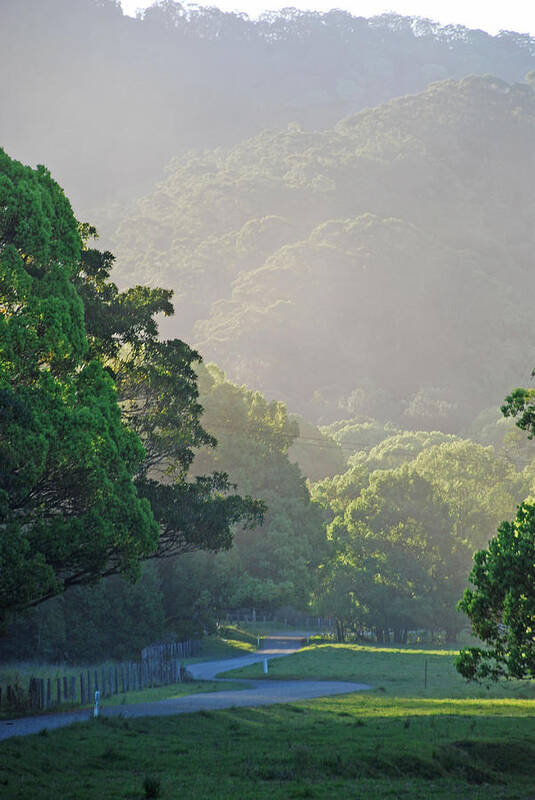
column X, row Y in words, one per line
column 501, row 604
column 397, row 562
column 69, row 510
column 98, row 419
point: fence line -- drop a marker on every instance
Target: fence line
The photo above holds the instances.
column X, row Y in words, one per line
column 296, row 620
column 160, row 665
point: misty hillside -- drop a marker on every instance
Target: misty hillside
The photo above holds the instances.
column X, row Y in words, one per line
column 386, row 263
column 105, row 101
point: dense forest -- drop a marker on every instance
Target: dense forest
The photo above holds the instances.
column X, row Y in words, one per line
column 383, row 265
column 281, row 391
column 105, row 101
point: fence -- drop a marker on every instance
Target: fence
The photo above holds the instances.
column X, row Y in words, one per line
column 160, row 665
column 296, row 620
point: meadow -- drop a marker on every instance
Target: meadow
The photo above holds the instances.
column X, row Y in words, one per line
column 399, row 740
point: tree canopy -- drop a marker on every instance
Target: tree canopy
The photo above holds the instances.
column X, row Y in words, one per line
column 99, row 419
column 501, row 604
column 69, row 510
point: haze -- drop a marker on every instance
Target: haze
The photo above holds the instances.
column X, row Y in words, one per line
column 491, row 17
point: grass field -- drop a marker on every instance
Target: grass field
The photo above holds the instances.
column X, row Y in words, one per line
column 356, row 746
column 395, row 671
column 398, row 741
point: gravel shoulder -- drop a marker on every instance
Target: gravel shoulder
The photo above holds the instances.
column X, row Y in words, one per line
column 259, row 693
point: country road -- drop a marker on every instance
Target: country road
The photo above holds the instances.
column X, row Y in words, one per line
column 259, row 693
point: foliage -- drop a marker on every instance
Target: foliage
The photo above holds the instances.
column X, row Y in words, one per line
column 69, row 511
column 403, row 448
column 273, row 565
column 501, row 606
column 304, row 261
column 318, row 454
column 398, row 562
column 114, row 619
column 520, row 403
column 359, row 434
column 479, row 486
column 157, row 389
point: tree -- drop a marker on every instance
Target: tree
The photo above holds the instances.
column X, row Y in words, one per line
column 479, row 486
column 501, row 606
column 157, row 388
column 69, row 510
column 98, row 419
column 396, row 554
column 275, row 565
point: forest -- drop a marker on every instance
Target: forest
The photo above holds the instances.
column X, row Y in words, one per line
column 275, row 381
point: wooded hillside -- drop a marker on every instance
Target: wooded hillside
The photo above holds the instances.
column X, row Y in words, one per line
column 383, row 264
column 105, row 100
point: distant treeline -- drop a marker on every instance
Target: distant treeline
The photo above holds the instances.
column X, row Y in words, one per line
column 105, row 100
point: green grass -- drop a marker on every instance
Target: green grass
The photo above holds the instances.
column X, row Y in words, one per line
column 399, row 672
column 398, row 741
column 353, row 746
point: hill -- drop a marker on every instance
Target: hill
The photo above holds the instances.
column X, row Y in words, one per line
column 382, row 265
column 106, row 101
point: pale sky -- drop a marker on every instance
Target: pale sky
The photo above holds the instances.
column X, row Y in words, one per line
column 513, row 15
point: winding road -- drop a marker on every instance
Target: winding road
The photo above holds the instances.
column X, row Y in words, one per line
column 260, row 693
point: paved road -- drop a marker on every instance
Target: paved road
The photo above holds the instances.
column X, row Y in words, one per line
column 273, row 646
column 260, row 693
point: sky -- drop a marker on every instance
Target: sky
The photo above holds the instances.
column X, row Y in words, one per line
column 513, row 15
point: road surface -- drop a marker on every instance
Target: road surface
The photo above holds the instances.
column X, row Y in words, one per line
column 258, row 693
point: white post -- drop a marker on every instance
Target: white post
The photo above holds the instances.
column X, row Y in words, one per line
column 258, row 642
column 265, row 667
column 97, row 703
